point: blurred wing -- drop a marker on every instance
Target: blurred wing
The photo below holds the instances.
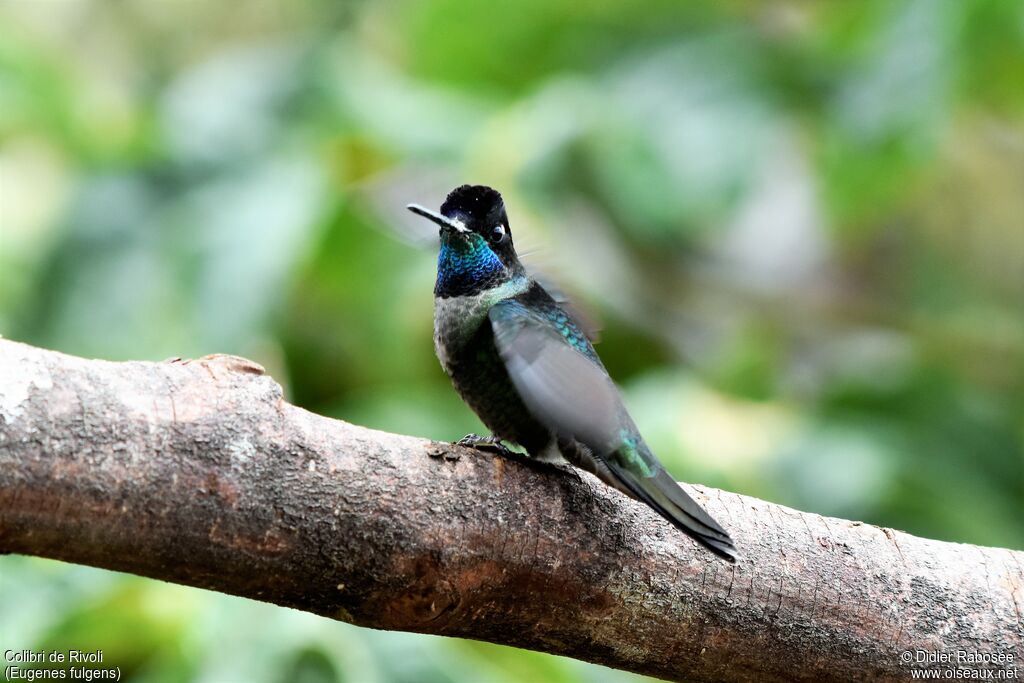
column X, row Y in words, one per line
column 573, row 396
column 585, row 319
column 566, row 391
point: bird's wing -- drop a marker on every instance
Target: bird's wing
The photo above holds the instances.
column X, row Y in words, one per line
column 572, row 395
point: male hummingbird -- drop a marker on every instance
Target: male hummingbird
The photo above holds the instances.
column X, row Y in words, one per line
column 530, row 373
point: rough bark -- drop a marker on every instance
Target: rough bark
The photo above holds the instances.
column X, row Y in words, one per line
column 198, row 472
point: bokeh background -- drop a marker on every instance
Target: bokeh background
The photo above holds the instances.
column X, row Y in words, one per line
column 800, row 225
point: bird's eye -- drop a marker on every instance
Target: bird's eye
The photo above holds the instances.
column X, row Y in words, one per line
column 498, row 233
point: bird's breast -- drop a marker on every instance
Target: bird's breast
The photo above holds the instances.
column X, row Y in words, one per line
column 457, row 318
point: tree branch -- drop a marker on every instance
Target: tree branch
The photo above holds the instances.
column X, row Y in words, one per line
column 198, row 472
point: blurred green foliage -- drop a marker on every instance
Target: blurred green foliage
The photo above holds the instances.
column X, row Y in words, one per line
column 802, row 225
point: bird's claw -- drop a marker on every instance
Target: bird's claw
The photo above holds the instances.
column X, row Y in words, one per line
column 490, row 444
column 570, row 471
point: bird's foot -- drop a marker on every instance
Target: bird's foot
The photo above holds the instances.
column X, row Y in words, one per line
column 491, row 444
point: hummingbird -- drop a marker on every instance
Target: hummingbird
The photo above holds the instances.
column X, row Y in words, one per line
column 526, row 368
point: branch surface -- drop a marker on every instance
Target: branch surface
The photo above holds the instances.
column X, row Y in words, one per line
column 198, row 472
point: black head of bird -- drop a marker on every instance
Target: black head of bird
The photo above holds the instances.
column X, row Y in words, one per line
column 476, row 241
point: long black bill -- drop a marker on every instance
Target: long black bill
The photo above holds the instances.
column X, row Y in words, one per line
column 445, row 222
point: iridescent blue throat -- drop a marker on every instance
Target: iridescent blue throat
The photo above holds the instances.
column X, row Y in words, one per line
column 466, row 265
